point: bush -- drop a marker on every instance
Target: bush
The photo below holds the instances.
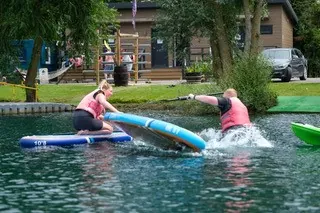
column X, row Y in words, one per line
column 251, row 77
column 314, row 67
column 8, row 64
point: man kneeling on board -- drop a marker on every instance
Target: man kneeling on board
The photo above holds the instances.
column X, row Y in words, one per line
column 88, row 116
column 233, row 113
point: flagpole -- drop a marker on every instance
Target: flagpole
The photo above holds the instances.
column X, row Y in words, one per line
column 134, row 12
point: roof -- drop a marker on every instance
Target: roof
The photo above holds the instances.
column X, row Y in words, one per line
column 152, row 5
column 287, row 8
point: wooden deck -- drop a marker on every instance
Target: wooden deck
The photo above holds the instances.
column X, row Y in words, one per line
column 79, row 75
column 163, row 74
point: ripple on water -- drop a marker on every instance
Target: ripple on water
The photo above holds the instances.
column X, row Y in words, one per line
column 247, row 177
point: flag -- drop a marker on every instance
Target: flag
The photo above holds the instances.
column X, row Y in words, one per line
column 134, row 12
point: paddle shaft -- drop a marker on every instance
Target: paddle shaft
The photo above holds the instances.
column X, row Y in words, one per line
column 181, row 98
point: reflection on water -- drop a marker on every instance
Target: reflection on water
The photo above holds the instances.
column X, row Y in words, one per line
column 238, row 172
column 99, row 177
column 267, row 169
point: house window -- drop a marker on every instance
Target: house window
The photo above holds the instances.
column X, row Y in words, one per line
column 266, row 29
column 47, row 55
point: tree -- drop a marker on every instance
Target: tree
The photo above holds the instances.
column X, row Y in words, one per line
column 253, row 10
column 214, row 19
column 209, row 18
column 219, row 20
column 307, row 33
column 48, row 21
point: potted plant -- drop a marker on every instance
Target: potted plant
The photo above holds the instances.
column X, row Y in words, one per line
column 206, row 70
column 193, row 73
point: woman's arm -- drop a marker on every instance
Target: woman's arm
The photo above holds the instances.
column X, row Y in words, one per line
column 102, row 100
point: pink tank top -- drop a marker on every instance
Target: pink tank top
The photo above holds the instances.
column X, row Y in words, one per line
column 235, row 116
column 91, row 105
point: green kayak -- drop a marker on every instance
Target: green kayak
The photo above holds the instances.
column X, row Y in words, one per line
column 307, row 133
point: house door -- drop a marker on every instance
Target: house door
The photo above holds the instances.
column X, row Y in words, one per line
column 159, row 54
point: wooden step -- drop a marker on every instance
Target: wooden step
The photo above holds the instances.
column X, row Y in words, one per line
column 153, row 78
column 167, row 69
column 174, row 73
column 77, row 75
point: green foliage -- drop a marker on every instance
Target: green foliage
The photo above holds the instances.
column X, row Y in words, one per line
column 204, row 67
column 7, row 66
column 194, row 68
column 308, row 32
column 179, row 21
column 75, row 21
column 79, row 23
column 251, row 77
column 117, row 1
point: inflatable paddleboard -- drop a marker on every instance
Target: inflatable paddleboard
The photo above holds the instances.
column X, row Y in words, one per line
column 67, row 140
column 307, row 133
column 156, row 132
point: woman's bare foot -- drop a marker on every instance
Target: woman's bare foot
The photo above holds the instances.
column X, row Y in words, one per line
column 83, row 132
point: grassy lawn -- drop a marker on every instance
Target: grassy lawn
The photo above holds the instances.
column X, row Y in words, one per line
column 72, row 93
column 296, row 89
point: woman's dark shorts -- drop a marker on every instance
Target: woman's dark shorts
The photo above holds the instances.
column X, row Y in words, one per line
column 83, row 120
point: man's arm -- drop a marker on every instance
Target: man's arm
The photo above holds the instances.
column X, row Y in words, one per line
column 223, row 104
column 205, row 99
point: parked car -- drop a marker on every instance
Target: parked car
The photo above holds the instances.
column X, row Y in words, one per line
column 287, row 63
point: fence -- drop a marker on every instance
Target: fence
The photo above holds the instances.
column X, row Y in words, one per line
column 14, row 86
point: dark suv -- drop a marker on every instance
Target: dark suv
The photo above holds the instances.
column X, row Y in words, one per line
column 287, row 63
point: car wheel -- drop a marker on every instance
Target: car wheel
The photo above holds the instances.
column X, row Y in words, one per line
column 305, row 74
column 287, row 76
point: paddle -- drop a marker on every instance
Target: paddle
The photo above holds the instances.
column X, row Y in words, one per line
column 181, row 98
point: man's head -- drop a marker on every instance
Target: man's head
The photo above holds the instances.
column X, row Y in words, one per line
column 230, row 93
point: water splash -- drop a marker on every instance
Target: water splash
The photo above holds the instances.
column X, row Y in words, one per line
column 243, row 137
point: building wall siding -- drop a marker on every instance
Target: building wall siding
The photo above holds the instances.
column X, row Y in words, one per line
column 282, row 31
column 287, row 31
column 274, row 19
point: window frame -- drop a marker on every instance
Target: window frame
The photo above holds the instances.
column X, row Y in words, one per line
column 268, row 29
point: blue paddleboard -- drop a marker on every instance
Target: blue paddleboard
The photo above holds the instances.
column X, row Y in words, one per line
column 67, row 140
column 159, row 133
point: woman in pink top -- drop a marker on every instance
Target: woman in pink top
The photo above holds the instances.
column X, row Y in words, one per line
column 88, row 116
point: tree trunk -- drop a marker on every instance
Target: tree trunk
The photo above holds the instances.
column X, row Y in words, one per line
column 216, row 61
column 256, row 21
column 33, row 70
column 222, row 39
column 248, row 27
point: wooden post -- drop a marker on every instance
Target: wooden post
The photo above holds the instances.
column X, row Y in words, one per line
column 97, row 66
column 118, row 48
column 96, row 63
column 136, row 54
column 37, row 93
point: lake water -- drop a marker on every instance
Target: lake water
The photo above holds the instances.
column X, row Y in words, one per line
column 268, row 171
